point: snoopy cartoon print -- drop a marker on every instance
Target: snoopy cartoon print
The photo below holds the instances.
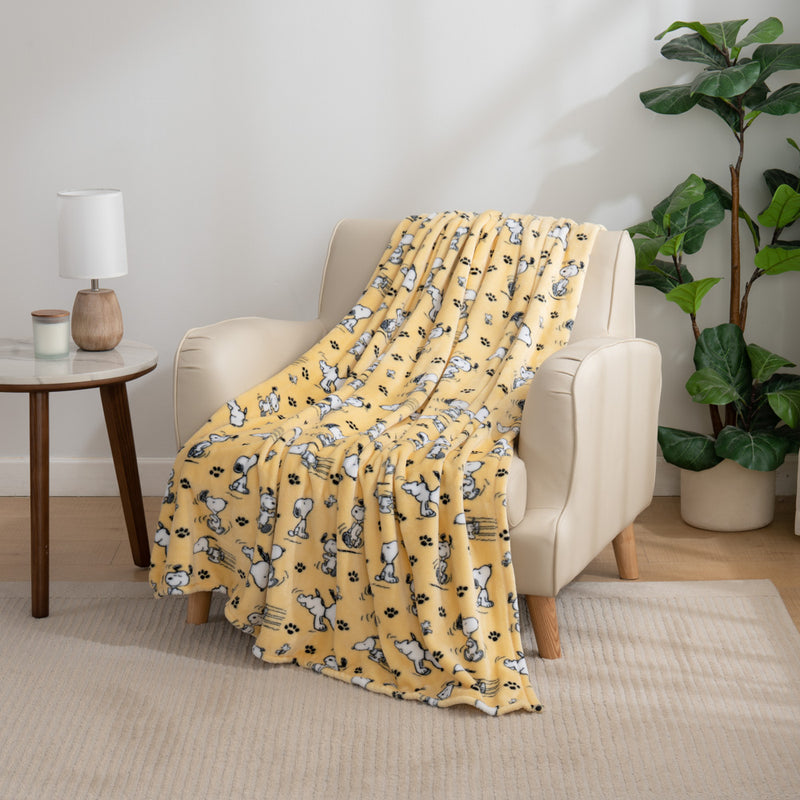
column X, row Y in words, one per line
column 480, row 576
column 263, row 571
column 424, row 495
column 515, row 229
column 456, row 240
column 271, row 404
column 237, row 414
column 208, row 546
column 389, row 551
column 357, row 313
column 352, row 536
column 177, row 578
column 331, row 382
column 361, row 343
column 397, row 254
column 457, row 364
column 417, row 655
column 568, row 271
column 372, row 646
column 162, row 536
column 241, row 467
column 410, row 277
column 215, row 505
column 314, row 604
column 199, row 448
column 469, row 486
column 329, row 553
column 302, row 508
column 440, row 565
column 436, row 301
column 560, row 233
column 472, row 651
column 267, row 511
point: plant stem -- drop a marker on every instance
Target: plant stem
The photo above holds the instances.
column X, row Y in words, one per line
column 735, row 316
column 757, row 273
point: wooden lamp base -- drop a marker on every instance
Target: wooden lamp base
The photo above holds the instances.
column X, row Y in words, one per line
column 96, row 319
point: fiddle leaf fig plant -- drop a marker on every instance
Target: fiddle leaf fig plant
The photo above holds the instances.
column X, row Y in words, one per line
column 754, row 409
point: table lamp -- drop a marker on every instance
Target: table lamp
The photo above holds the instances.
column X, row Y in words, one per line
column 91, row 245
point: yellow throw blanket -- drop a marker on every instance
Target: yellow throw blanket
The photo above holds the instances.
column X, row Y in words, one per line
column 353, row 506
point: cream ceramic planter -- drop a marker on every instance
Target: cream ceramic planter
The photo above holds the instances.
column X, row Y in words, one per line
column 727, row 497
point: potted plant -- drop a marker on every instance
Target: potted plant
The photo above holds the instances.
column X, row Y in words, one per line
column 754, row 409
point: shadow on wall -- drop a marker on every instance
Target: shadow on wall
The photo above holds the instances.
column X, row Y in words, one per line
column 623, row 171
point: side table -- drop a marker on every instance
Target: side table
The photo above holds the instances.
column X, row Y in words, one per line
column 110, row 370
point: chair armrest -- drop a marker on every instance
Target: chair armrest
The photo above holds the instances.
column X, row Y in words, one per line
column 218, row 362
column 588, row 441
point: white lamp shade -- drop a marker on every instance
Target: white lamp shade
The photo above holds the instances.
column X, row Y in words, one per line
column 91, row 234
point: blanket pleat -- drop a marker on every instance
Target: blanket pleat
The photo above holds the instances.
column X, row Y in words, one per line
column 353, row 506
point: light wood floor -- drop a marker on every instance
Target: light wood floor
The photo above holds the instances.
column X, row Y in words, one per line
column 88, row 542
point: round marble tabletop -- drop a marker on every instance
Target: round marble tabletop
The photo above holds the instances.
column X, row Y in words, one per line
column 19, row 368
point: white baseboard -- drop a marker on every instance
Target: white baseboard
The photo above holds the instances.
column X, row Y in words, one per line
column 83, row 477
column 95, row 477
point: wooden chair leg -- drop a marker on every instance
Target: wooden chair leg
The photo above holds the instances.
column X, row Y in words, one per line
column 198, row 608
column 545, row 625
column 625, row 553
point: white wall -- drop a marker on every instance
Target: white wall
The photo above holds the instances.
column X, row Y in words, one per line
column 240, row 132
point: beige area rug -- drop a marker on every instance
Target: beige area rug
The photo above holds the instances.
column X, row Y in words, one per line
column 666, row 690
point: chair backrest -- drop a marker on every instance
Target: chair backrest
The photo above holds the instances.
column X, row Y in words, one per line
column 607, row 302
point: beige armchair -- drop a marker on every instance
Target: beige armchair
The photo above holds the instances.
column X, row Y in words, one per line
column 585, row 462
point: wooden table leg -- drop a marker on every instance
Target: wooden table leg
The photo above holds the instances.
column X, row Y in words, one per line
column 120, row 436
column 40, row 502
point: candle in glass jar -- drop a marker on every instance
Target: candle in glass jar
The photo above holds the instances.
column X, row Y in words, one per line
column 50, row 333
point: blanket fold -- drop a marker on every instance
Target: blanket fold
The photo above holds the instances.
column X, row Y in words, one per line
column 353, row 506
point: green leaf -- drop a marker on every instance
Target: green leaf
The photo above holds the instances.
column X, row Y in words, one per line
column 728, row 82
column 654, row 279
column 722, row 349
column 755, row 95
column 646, row 250
column 777, row 57
column 783, row 210
column 765, row 364
column 782, row 380
column 724, row 34
column 689, row 296
column 662, row 275
column 673, row 246
column 768, row 30
column 756, row 450
column 695, row 26
column 685, row 194
column 778, row 177
column 775, row 260
column 709, row 387
column 794, row 144
column 647, row 228
column 723, row 110
column 686, row 450
column 696, row 219
column 785, row 100
column 699, row 219
column 786, row 404
column 693, row 47
column 669, row 99
column 720, row 34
